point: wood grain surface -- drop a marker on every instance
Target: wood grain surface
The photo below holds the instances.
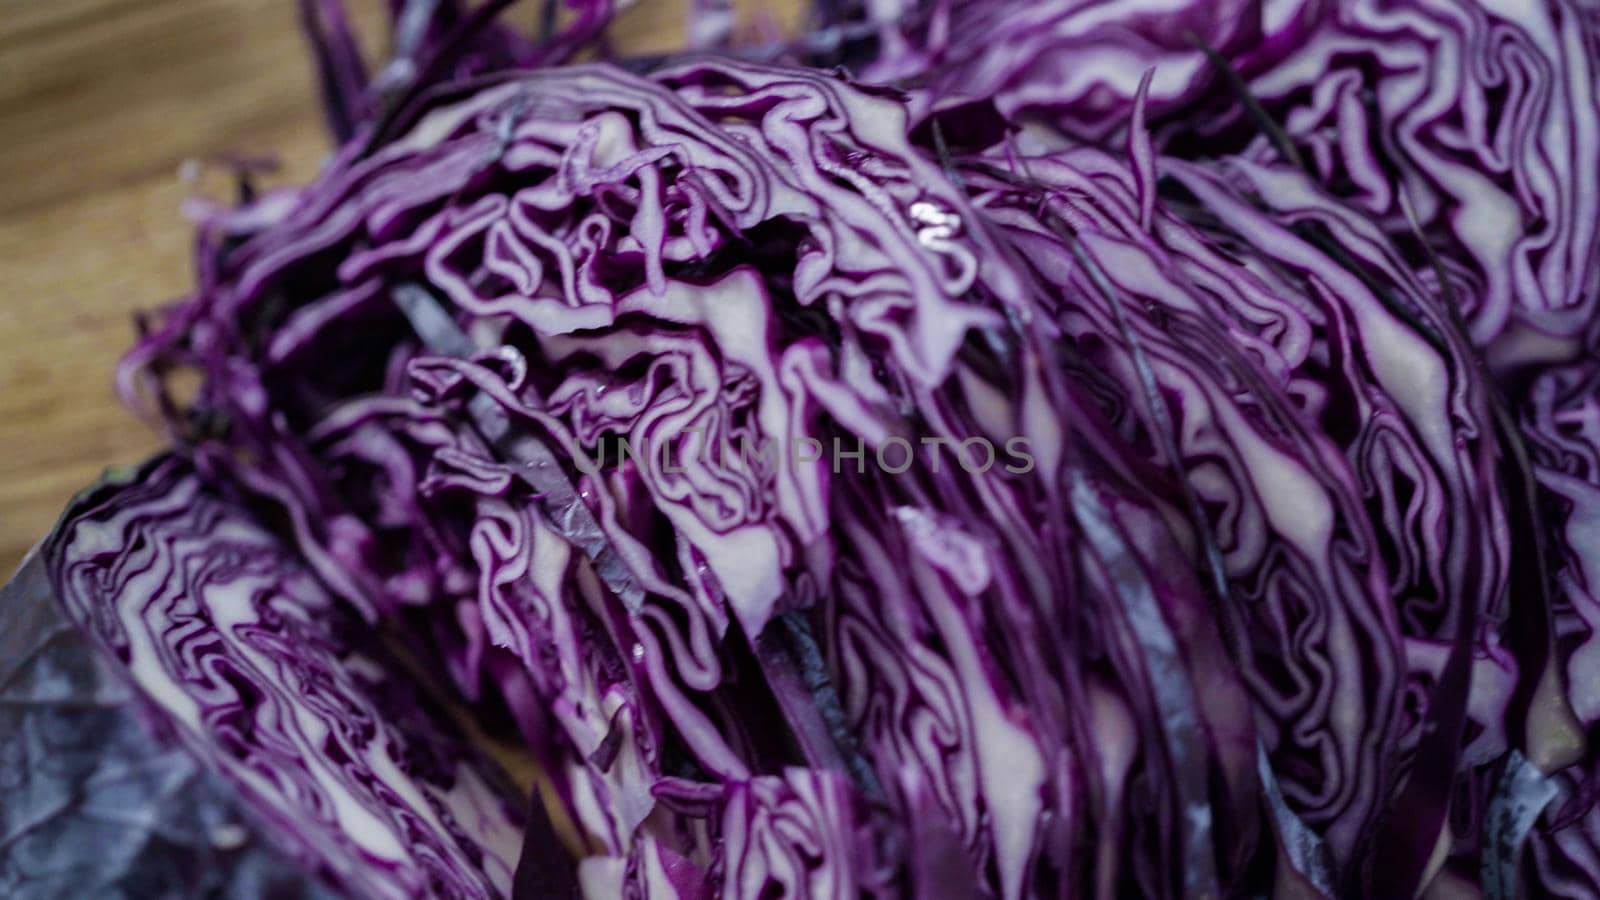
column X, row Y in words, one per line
column 101, row 104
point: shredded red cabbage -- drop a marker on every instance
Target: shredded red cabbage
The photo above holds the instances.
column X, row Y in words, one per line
column 1093, row 450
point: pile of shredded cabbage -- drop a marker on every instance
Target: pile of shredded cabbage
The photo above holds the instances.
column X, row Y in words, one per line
column 972, row 449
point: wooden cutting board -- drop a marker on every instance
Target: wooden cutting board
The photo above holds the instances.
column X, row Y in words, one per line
column 101, row 104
